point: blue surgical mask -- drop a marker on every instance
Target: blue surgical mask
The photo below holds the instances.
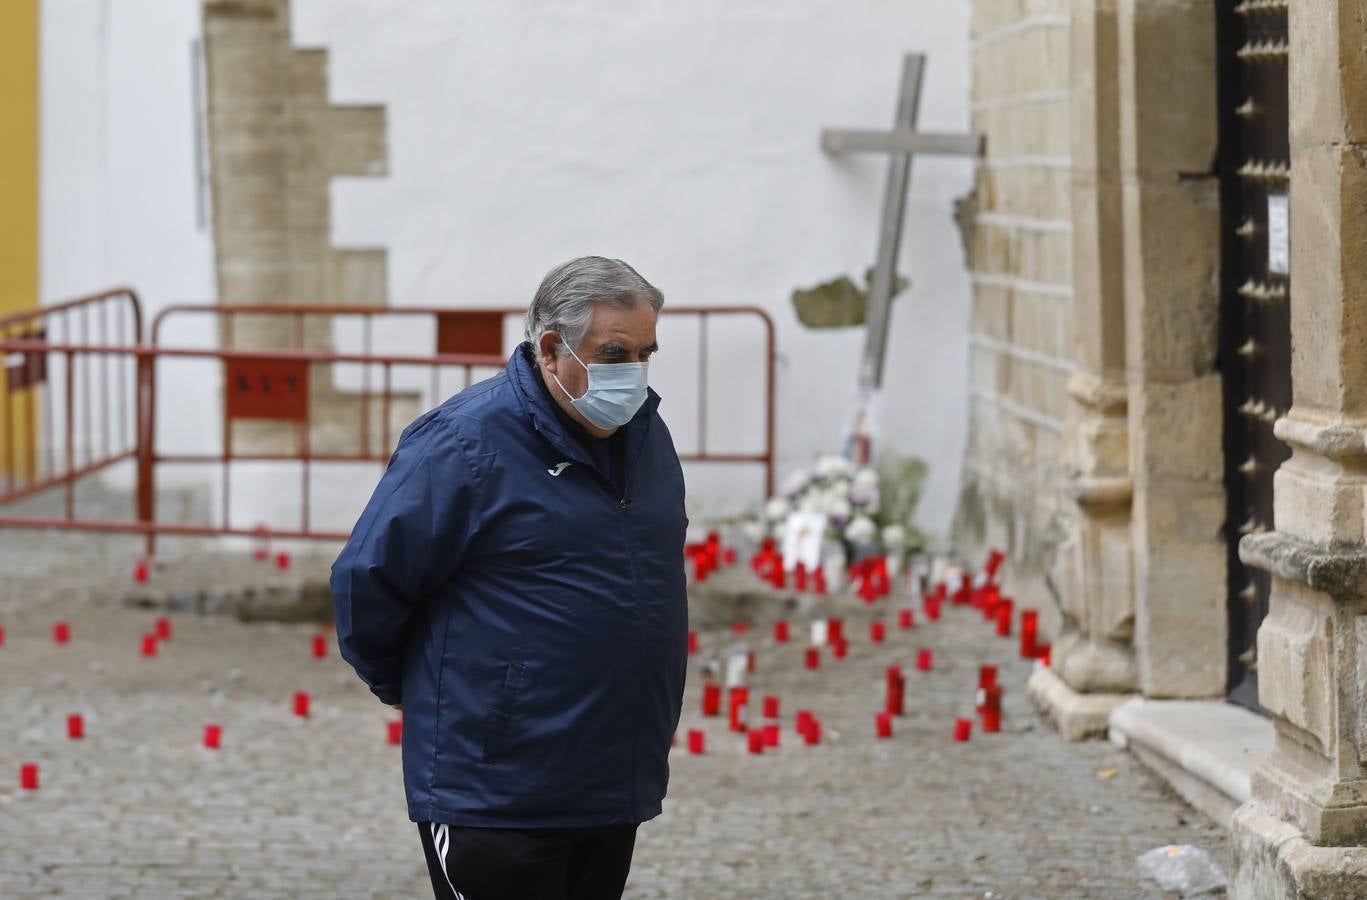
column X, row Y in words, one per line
column 615, row 392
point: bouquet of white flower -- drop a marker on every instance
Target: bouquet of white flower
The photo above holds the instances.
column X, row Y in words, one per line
column 868, row 511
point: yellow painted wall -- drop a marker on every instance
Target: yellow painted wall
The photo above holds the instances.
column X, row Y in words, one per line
column 18, row 193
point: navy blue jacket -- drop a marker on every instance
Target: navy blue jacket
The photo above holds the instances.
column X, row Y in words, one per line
column 531, row 618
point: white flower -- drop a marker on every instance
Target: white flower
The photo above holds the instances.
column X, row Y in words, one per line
column 866, row 478
column 776, row 509
column 833, row 466
column 839, row 487
column 861, row 530
column 754, row 531
column 839, row 508
column 811, row 503
column 796, row 483
column 894, row 537
column 862, row 495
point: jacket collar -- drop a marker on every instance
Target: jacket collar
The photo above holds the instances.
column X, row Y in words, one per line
column 524, row 373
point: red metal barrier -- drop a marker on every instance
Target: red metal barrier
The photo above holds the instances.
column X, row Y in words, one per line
column 272, row 385
column 84, row 381
column 481, row 331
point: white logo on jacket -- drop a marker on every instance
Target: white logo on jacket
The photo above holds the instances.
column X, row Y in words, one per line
column 559, row 467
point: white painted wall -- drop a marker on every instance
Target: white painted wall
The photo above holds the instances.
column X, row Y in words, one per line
column 681, row 137
column 118, row 177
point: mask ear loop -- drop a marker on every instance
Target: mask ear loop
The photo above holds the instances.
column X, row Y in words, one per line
column 557, row 377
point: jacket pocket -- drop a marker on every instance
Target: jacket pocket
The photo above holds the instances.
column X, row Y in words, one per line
column 504, row 709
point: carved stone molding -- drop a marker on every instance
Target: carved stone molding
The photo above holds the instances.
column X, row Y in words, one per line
column 1338, row 572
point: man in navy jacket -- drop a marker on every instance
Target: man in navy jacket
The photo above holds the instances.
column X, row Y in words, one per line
column 516, row 585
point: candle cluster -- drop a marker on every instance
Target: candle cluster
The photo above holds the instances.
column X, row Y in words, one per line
column 870, row 578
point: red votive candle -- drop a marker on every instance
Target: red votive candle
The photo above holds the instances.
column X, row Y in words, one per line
column 320, row 646
column 739, row 628
column 149, row 644
column 882, row 723
column 987, row 676
column 839, row 648
column 61, row 632
column 800, row 577
column 711, row 698
column 728, row 556
column 2, row 636
column 213, row 736
column 905, row 619
column 75, row 727
column 141, row 571
column 1042, row 653
column 835, row 629
column 778, row 578
column 877, row 631
column 994, row 561
column 781, row 631
column 696, row 740
column 28, row 776
column 813, row 733
column 1029, row 629
column 812, row 658
column 770, row 706
column 301, row 704
column 991, row 600
column 692, row 642
column 819, row 580
column 739, row 697
column 771, row 734
column 282, row 561
column 163, row 629
column 1004, row 617
column 962, row 729
column 925, row 660
column 932, row 608
column 803, row 719
column 893, row 705
column 394, row 731
column 893, row 673
column 992, row 721
column 755, row 739
column 882, row 584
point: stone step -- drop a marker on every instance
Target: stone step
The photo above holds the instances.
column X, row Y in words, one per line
column 1205, row 749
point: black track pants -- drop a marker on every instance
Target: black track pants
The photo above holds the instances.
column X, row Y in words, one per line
column 527, row 863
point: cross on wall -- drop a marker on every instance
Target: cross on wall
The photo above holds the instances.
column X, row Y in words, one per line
column 900, row 144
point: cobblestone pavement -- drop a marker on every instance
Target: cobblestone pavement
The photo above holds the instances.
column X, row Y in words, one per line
column 295, row 808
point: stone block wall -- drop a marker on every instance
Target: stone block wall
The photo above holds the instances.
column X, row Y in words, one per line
column 276, row 142
column 1022, row 329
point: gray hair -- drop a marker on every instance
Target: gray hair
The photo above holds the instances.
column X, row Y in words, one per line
column 564, row 302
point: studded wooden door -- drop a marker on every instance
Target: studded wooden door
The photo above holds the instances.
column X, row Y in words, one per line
column 1255, row 321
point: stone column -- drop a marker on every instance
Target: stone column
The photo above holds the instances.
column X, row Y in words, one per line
column 1170, row 203
column 1302, row 833
column 1094, row 667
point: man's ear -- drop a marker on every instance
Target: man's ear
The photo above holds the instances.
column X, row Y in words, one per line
column 546, row 351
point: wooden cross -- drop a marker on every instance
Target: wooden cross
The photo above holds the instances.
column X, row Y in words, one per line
column 901, row 143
